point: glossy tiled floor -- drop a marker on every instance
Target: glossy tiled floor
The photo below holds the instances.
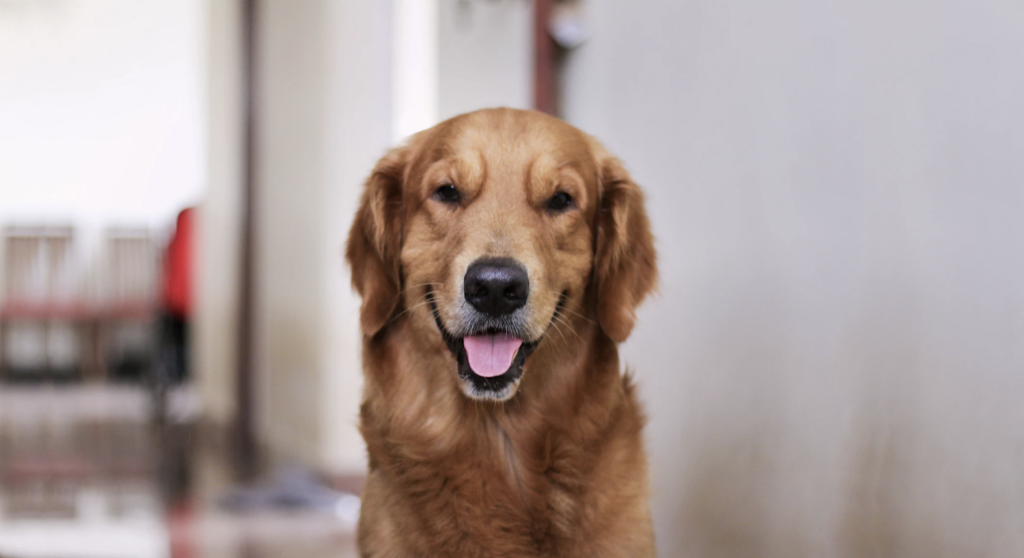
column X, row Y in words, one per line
column 84, row 473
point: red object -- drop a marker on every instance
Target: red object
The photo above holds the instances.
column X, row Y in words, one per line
column 178, row 267
column 181, row 522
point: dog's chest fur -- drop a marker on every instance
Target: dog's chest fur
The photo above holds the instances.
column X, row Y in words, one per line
column 452, row 477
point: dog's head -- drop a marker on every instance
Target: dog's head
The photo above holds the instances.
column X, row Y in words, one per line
column 493, row 227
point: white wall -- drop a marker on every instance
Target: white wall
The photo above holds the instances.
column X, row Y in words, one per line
column 359, row 130
column 455, row 56
column 101, row 111
column 218, row 250
column 485, row 51
column 833, row 366
column 324, row 120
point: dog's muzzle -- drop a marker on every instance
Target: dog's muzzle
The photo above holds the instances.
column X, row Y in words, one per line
column 493, row 344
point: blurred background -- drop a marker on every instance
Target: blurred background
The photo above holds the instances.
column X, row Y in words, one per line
column 834, row 365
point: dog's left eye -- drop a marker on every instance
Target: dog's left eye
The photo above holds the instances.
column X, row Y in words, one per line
column 559, row 202
column 447, row 193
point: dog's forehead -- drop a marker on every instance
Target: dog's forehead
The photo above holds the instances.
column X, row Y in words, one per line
column 508, row 140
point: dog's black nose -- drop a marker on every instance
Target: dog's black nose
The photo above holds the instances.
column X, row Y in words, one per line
column 496, row 286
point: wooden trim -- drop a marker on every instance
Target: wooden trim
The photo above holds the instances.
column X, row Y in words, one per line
column 545, row 60
column 245, row 380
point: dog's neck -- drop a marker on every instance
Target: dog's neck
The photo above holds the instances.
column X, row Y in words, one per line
column 568, row 386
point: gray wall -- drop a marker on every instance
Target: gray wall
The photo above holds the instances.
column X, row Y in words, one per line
column 834, row 366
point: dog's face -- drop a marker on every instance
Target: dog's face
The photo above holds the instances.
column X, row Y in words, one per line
column 494, row 226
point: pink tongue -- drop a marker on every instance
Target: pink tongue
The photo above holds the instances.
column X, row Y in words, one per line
column 491, row 355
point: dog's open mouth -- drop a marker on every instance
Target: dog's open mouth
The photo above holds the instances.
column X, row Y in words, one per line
column 490, row 361
column 491, row 354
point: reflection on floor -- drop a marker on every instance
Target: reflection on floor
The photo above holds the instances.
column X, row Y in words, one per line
column 85, row 473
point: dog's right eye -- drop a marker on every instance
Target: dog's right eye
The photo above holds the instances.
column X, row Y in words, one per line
column 447, row 194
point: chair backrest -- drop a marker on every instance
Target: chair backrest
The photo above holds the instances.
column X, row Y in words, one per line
column 132, row 271
column 39, row 267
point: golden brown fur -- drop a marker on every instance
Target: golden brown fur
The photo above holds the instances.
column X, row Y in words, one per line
column 558, row 467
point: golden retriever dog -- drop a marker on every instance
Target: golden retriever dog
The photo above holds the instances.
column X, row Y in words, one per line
column 500, row 257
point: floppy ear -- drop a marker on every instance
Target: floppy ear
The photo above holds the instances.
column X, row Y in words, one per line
column 375, row 240
column 625, row 266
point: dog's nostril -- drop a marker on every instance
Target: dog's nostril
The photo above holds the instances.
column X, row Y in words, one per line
column 496, row 286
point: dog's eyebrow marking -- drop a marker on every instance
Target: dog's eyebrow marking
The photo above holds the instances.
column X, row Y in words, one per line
column 483, row 166
column 529, row 175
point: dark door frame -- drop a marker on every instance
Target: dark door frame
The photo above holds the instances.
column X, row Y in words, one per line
column 245, row 379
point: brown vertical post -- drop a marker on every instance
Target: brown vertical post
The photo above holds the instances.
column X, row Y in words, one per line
column 245, row 377
column 545, row 53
